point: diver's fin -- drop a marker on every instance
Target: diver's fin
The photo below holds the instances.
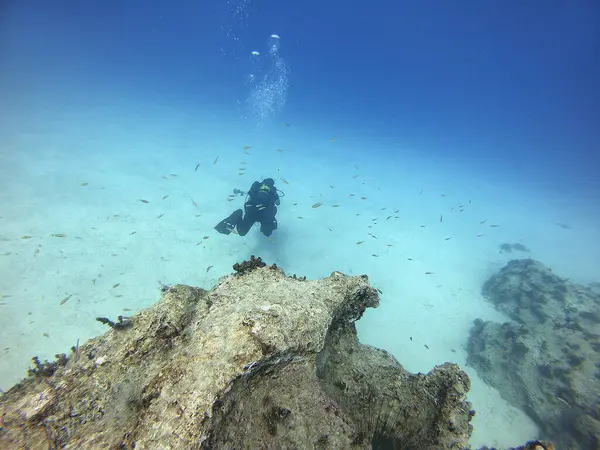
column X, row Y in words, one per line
column 226, row 226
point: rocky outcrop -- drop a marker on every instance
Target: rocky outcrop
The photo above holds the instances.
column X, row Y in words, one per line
column 546, row 361
column 262, row 360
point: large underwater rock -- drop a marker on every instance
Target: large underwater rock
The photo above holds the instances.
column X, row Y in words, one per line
column 262, row 360
column 546, row 361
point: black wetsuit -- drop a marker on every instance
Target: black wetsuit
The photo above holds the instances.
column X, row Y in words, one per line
column 260, row 206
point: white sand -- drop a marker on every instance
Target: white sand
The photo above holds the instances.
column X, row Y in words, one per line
column 117, row 249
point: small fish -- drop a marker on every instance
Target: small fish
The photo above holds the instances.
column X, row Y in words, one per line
column 194, row 203
column 359, row 242
column 280, row 150
column 411, row 338
column 46, row 335
column 335, row 206
column 285, row 181
column 373, row 236
column 160, row 215
column 116, row 285
column 389, row 245
column 66, row 299
column 83, row 184
column 443, row 195
column 388, row 217
column 441, row 218
column 126, row 309
column 143, row 201
column 196, row 168
column 410, row 259
column 208, row 268
column 174, row 175
column 261, row 208
column 3, row 296
column 285, row 125
column 363, row 198
column 300, row 217
column 425, row 345
column 93, row 281
column 332, row 186
column 316, row 205
column 216, row 159
column 448, row 238
column 197, row 215
column 37, row 252
column 351, row 195
column 246, row 147
column 421, row 192
column 26, row 237
column 165, row 197
column 355, row 176
column 423, row 226
column 230, row 199
column 205, row 238
column 479, row 235
column 333, row 138
column 482, row 222
column 164, row 178
column 132, row 233
column 429, row 273
column 241, row 173
column 59, row 235
column 376, row 256
column 494, row 226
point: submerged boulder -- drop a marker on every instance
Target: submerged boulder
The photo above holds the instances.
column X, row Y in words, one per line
column 546, row 360
column 262, row 360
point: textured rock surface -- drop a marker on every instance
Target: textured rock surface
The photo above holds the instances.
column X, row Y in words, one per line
column 547, row 361
column 260, row 361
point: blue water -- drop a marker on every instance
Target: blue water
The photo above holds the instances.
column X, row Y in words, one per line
column 417, row 106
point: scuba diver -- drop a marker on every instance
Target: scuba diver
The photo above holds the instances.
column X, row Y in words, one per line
column 260, row 206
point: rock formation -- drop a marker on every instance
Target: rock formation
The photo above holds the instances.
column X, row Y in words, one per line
column 546, row 361
column 262, row 360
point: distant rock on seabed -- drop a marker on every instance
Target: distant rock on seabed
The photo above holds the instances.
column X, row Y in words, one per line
column 546, row 361
column 261, row 361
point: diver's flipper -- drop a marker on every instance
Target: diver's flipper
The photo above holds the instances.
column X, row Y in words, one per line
column 226, row 226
